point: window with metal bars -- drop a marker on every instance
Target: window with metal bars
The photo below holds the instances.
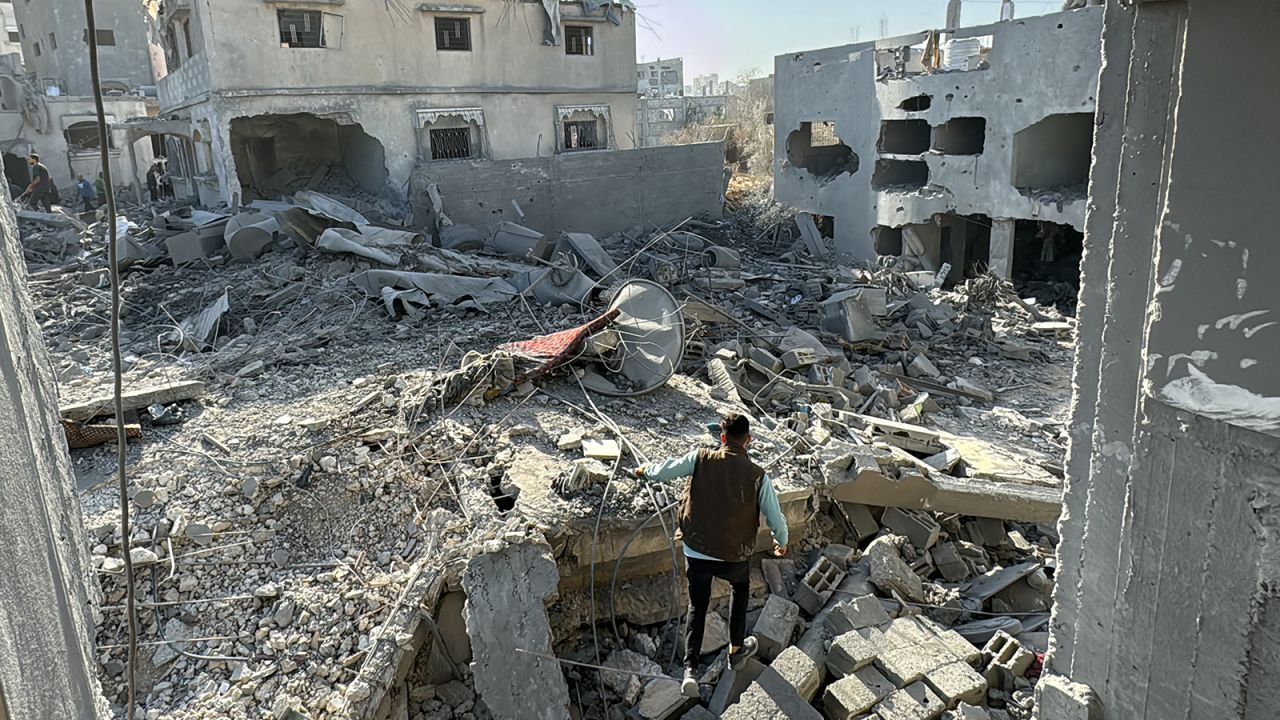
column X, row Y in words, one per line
column 579, row 40
column 453, row 34
column 301, row 28
column 582, row 135
column 450, row 144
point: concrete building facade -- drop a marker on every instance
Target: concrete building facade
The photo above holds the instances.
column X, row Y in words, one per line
column 357, row 94
column 661, row 78
column 54, row 38
column 1166, row 601
column 969, row 146
column 10, row 38
column 64, row 131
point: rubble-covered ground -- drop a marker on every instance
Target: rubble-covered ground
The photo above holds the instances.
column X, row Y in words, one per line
column 281, row 510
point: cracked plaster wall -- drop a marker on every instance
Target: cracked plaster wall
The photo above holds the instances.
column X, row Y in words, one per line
column 1039, row 66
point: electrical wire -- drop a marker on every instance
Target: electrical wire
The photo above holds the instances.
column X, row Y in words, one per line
column 122, row 450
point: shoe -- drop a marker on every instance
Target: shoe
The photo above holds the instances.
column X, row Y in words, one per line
column 689, row 686
column 738, row 659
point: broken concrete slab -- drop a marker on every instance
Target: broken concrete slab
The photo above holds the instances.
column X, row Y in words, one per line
column 662, row 700
column 506, row 589
column 889, row 571
column 733, row 683
column 965, row 496
column 855, row 614
column 631, row 678
column 771, row 699
column 134, row 399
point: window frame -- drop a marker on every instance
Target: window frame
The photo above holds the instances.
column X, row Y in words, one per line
column 330, row 25
column 470, row 119
column 586, row 35
column 463, row 22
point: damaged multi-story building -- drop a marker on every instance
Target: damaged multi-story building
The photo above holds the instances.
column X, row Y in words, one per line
column 46, row 95
column 961, row 146
column 272, row 98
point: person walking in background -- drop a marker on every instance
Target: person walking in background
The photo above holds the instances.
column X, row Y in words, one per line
column 718, row 524
column 100, row 188
column 84, row 190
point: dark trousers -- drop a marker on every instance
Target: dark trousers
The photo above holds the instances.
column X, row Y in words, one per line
column 700, row 573
column 42, row 199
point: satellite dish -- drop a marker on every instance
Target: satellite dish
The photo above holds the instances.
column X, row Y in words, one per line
column 651, row 333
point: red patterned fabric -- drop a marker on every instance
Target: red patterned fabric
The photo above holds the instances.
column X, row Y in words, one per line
column 557, row 348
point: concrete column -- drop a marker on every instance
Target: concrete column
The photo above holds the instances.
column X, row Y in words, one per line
column 1001, row 257
column 47, row 664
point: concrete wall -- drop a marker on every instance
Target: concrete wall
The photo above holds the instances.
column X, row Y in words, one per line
column 1038, row 67
column 599, row 193
column 660, row 78
column 656, row 118
column 128, row 62
column 387, row 70
column 1166, row 598
column 63, row 163
column 8, row 24
column 384, row 52
column 47, row 663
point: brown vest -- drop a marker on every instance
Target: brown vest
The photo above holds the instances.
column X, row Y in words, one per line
column 721, row 513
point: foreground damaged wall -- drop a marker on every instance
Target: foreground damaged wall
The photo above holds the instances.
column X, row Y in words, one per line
column 1167, row 600
column 597, row 192
column 47, row 668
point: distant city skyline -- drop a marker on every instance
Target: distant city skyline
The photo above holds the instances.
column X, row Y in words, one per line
column 730, row 37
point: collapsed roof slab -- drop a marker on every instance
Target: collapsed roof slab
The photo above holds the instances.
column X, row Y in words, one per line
column 941, row 493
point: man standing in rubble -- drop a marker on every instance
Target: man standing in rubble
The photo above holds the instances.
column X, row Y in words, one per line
column 718, row 523
column 43, row 193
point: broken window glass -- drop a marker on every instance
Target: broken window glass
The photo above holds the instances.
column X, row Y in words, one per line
column 301, row 28
column 453, row 33
column 578, row 40
column 581, row 135
column 450, row 144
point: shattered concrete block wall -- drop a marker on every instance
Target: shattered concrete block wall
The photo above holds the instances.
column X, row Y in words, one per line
column 385, row 70
column 47, row 663
column 580, row 192
column 909, row 146
column 1166, row 602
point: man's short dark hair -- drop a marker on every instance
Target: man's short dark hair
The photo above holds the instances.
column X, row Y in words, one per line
column 35, row 156
column 735, row 426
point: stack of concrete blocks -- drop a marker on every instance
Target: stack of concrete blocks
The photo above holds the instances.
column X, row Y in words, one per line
column 817, row 586
column 904, row 669
column 1005, row 659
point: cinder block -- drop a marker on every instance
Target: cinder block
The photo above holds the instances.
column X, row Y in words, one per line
column 842, row 556
column 847, row 698
column 918, row 526
column 914, row 702
column 799, row 358
column 909, row 664
column 864, row 524
column 1005, row 655
column 949, row 562
column 798, row 670
column 776, row 626
column 957, row 682
column 697, row 712
column 907, row 632
column 765, row 358
column 775, row 700
column 955, row 642
column 876, row 682
column 1057, row 698
column 733, row 683
column 853, row 651
column 817, row 585
column 860, row 612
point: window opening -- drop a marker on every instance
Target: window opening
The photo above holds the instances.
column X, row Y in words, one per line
column 579, row 40
column 453, row 34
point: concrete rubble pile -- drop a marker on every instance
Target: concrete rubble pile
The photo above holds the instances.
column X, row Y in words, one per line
column 341, row 422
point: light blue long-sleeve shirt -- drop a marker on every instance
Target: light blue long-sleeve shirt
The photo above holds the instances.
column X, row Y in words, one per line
column 678, row 467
